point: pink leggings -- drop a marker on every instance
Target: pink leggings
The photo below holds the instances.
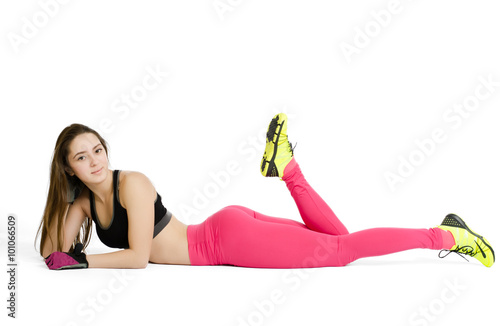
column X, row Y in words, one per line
column 239, row 236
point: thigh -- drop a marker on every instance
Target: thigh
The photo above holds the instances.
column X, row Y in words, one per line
column 267, row 218
column 249, row 242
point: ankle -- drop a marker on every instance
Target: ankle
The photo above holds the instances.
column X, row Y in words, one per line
column 290, row 167
column 448, row 239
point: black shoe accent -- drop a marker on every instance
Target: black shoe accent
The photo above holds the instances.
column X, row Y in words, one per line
column 480, row 249
column 272, row 129
column 263, row 164
column 454, row 220
column 272, row 170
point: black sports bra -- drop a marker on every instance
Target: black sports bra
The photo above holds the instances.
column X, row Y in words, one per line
column 116, row 234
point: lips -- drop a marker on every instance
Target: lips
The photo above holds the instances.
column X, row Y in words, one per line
column 95, row 172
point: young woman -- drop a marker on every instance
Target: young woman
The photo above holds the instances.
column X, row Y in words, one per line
column 129, row 214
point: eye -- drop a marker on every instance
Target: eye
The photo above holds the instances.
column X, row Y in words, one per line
column 98, row 150
column 81, row 158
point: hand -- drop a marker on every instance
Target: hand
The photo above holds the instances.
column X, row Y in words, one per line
column 65, row 260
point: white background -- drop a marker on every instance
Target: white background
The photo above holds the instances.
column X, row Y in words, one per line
column 230, row 69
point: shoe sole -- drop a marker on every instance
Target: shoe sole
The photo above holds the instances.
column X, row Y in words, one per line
column 451, row 219
column 271, row 166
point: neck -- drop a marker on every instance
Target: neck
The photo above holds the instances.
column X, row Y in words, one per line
column 103, row 191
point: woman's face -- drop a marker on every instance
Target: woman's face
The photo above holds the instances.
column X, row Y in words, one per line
column 87, row 159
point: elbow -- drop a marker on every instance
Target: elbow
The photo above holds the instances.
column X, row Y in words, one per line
column 136, row 259
column 141, row 262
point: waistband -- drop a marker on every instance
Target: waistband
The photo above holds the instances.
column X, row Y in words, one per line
column 202, row 244
column 162, row 223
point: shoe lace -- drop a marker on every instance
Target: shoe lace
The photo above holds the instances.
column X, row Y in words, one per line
column 290, row 148
column 461, row 251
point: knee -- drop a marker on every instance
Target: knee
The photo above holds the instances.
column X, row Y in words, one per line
column 345, row 253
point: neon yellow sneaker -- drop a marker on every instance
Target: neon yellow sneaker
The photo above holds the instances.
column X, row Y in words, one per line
column 279, row 151
column 466, row 241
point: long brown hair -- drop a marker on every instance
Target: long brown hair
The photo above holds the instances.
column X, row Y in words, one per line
column 63, row 190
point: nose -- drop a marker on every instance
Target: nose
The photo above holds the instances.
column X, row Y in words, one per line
column 93, row 160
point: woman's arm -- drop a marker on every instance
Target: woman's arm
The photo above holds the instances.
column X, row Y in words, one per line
column 75, row 218
column 50, row 244
column 137, row 195
column 72, row 224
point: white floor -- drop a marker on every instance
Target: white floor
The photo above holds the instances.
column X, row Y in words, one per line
column 411, row 288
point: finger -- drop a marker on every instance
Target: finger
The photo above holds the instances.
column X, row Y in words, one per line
column 53, row 260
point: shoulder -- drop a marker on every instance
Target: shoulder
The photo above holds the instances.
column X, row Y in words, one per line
column 134, row 178
column 135, row 185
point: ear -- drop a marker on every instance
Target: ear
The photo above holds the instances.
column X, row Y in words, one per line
column 69, row 171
